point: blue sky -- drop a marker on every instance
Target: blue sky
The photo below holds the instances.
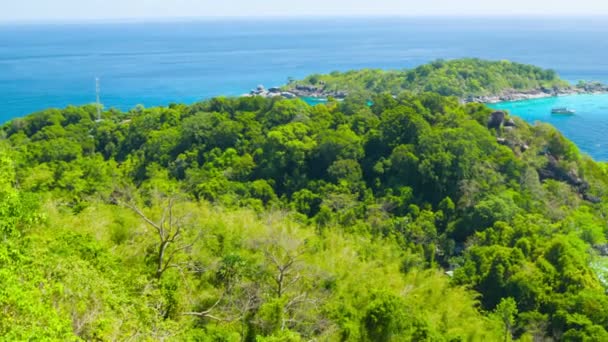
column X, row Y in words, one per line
column 51, row 10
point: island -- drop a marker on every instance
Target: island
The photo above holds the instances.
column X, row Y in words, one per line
column 403, row 214
column 471, row 80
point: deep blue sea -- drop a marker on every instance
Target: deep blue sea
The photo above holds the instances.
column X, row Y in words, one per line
column 53, row 65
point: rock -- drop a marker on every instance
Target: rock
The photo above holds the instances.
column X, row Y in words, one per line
column 288, row 95
column 592, row 87
column 274, row 90
column 554, row 171
column 542, row 92
column 509, row 123
column 309, row 89
column 512, row 144
column 601, row 249
column 594, row 200
column 496, row 119
column 340, row 94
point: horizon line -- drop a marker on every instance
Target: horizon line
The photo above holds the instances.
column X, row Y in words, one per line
column 157, row 19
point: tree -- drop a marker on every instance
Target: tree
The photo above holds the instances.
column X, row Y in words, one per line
column 174, row 230
column 384, row 318
column 506, row 310
column 293, row 301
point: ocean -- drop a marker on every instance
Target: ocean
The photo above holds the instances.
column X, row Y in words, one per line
column 53, row 65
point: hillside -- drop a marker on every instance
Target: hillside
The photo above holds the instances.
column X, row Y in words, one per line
column 468, row 79
column 252, row 219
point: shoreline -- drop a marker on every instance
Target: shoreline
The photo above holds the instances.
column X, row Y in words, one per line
column 524, row 98
column 532, row 95
column 318, row 93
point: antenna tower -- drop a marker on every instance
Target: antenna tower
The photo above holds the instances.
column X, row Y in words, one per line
column 97, row 90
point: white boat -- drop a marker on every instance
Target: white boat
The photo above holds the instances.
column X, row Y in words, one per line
column 563, row 111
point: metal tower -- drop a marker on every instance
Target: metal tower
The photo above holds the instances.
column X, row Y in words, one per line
column 97, row 90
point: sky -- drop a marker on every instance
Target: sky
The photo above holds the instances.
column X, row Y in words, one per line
column 83, row 10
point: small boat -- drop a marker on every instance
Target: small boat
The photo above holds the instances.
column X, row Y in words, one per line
column 563, row 111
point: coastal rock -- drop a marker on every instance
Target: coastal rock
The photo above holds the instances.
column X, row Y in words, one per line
column 310, row 89
column 509, row 123
column 340, row 94
column 554, row 171
column 518, row 95
column 592, row 87
column 496, row 119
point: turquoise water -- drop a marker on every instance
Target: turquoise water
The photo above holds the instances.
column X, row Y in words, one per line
column 314, row 100
column 588, row 128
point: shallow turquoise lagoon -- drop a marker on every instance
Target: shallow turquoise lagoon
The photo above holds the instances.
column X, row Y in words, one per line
column 588, row 128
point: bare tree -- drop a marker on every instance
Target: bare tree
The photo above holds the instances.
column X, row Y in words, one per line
column 286, row 264
column 171, row 229
column 289, row 278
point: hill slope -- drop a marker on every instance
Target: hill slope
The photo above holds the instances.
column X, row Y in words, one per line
column 270, row 220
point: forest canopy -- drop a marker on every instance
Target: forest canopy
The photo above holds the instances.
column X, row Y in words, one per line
column 460, row 77
column 410, row 218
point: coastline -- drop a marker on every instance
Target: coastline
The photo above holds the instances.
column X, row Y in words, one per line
column 532, row 95
column 320, row 94
column 586, row 128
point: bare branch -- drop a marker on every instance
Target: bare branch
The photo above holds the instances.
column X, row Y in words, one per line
column 207, row 313
column 169, row 229
column 142, row 215
column 203, row 315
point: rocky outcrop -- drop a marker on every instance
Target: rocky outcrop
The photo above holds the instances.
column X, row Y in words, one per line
column 288, row 95
column 592, row 87
column 591, row 198
column 554, row 171
column 509, row 123
column 318, row 92
column 270, row 92
column 601, row 249
column 496, row 119
column 296, row 91
column 499, row 119
column 518, row 95
column 513, row 145
column 307, row 89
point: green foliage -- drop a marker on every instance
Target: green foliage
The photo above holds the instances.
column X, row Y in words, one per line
column 506, row 311
column 461, row 77
column 252, row 219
